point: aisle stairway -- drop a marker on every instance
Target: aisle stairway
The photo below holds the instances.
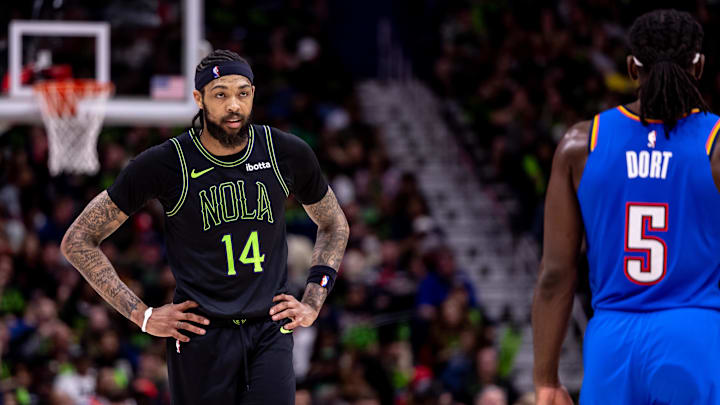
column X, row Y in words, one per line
column 471, row 216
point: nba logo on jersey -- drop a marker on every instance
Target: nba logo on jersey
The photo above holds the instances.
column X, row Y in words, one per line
column 324, row 281
column 652, row 137
column 216, row 72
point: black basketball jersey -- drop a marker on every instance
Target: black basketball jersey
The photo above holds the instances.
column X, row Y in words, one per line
column 225, row 220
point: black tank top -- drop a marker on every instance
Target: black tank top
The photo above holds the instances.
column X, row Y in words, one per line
column 226, row 238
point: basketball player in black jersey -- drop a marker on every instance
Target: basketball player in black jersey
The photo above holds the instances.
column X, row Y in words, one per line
column 223, row 187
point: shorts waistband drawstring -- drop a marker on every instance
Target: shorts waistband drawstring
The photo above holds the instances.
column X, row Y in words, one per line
column 246, row 346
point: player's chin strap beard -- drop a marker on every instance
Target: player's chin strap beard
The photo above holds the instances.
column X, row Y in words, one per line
column 225, row 139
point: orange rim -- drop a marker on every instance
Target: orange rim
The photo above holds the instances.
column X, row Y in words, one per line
column 63, row 95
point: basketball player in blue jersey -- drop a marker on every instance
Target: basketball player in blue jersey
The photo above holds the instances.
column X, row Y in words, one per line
column 640, row 183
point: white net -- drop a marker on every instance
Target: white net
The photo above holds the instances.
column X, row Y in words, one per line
column 73, row 113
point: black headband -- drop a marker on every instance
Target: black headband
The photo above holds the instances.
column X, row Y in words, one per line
column 210, row 73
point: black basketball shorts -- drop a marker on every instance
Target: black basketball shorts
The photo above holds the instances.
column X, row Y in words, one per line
column 235, row 362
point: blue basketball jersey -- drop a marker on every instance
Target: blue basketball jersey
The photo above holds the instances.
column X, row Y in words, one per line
column 651, row 213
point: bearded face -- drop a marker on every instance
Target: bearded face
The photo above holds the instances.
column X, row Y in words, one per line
column 226, row 105
column 230, row 130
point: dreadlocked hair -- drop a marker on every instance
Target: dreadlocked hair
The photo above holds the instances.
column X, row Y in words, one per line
column 213, row 58
column 665, row 42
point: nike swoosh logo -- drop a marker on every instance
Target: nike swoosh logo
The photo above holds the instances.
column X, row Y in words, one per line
column 195, row 174
column 285, row 331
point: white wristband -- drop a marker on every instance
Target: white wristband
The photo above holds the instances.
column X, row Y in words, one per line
column 148, row 312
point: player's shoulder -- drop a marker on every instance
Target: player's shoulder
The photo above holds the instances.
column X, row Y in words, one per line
column 574, row 144
column 286, row 143
column 279, row 135
column 166, row 147
column 576, row 141
column 163, row 154
column 708, row 116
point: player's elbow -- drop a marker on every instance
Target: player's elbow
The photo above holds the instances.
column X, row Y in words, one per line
column 555, row 279
column 68, row 241
column 65, row 245
column 72, row 241
column 343, row 227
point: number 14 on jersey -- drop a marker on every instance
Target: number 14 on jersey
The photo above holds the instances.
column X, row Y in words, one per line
column 251, row 246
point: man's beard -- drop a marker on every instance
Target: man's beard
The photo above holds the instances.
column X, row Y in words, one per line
column 227, row 139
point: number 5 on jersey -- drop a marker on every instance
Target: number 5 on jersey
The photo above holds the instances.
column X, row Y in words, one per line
column 251, row 246
column 639, row 219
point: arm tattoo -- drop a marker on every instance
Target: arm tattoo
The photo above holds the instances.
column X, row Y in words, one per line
column 333, row 231
column 81, row 246
column 332, row 236
column 315, row 296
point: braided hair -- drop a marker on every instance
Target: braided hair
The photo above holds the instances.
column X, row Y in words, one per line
column 666, row 42
column 213, row 58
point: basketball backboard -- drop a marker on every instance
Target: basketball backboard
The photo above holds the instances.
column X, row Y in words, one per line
column 111, row 42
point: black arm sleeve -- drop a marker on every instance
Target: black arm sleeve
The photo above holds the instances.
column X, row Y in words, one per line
column 155, row 173
column 299, row 167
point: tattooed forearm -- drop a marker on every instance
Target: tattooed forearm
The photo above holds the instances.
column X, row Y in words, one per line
column 332, row 236
column 315, row 296
column 81, row 246
column 333, row 231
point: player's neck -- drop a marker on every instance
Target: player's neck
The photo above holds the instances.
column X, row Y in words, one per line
column 216, row 148
column 634, row 106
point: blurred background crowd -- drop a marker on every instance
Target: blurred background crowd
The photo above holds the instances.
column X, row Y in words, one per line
column 525, row 71
column 403, row 325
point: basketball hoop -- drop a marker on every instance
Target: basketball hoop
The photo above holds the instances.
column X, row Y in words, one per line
column 73, row 111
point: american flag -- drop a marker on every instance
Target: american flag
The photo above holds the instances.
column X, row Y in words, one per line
column 164, row 87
